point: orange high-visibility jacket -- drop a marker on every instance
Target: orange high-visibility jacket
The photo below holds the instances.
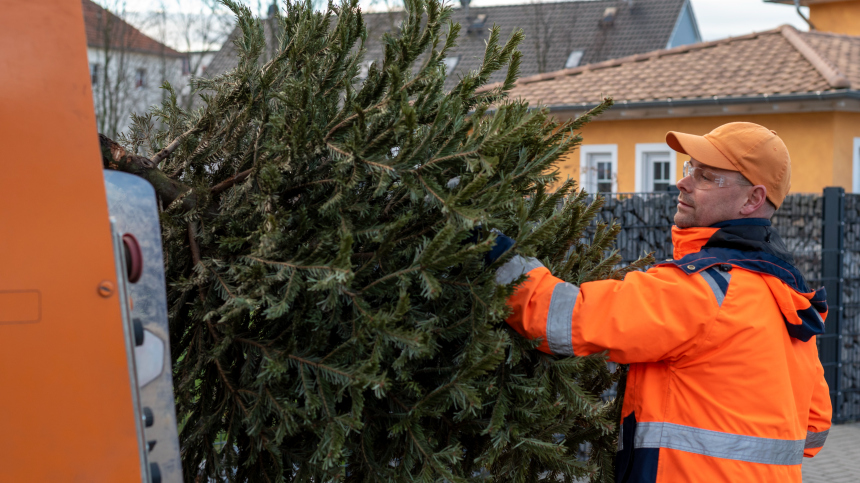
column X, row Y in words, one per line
column 725, row 382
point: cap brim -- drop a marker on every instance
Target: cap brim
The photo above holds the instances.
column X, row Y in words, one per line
column 700, row 149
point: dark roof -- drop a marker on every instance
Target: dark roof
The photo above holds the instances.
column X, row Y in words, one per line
column 102, row 27
column 803, row 2
column 226, row 58
column 777, row 62
column 552, row 31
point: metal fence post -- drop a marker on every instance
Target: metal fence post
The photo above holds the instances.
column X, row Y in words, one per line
column 832, row 251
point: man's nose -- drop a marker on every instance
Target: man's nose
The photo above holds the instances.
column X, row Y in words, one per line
column 685, row 184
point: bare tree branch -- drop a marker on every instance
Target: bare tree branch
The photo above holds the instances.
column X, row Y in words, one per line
column 192, row 243
column 164, row 153
column 230, row 181
column 117, row 158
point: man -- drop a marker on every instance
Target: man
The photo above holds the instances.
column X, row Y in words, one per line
column 725, row 382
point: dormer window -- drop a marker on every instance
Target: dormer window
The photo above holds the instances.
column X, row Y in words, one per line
column 573, row 59
column 608, row 16
column 364, row 68
column 450, row 63
column 477, row 24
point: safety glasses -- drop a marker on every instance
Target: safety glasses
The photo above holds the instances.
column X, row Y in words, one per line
column 705, row 179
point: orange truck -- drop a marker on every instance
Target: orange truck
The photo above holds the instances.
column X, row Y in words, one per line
column 86, row 392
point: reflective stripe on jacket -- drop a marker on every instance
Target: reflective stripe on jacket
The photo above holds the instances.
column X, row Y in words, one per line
column 725, row 382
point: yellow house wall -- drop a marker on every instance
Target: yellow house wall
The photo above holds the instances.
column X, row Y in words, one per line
column 836, row 17
column 820, row 144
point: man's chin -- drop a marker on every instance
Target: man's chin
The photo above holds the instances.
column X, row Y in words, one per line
column 683, row 221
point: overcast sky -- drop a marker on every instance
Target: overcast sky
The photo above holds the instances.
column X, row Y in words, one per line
column 717, row 18
column 724, row 18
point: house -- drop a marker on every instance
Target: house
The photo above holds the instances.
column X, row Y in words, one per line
column 803, row 85
column 557, row 34
column 834, row 16
column 127, row 68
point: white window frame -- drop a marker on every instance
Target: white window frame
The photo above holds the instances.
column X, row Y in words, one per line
column 643, row 148
column 584, row 151
column 364, row 69
column 140, row 78
column 856, row 164
column 95, row 73
column 451, row 63
column 577, row 54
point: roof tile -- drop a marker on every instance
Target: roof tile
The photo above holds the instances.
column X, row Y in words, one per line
column 779, row 61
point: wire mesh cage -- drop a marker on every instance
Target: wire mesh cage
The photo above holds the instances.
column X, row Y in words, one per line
column 848, row 396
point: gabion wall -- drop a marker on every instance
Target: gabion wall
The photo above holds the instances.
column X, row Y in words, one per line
column 850, row 330
column 646, row 221
column 798, row 222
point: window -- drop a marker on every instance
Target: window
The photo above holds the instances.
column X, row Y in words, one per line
column 599, row 168
column 856, row 166
column 477, row 24
column 660, row 180
column 450, row 63
column 140, row 78
column 573, row 59
column 364, row 69
column 95, row 70
column 603, row 163
column 186, row 66
column 608, row 16
column 655, row 167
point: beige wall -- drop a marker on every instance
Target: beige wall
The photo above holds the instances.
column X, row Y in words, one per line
column 820, row 144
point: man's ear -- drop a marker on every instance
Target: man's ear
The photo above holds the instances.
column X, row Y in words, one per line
column 756, row 199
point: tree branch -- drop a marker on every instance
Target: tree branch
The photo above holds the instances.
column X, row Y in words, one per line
column 227, row 183
column 192, row 242
column 115, row 157
column 168, row 190
column 168, row 150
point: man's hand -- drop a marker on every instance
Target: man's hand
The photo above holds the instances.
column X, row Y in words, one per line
column 503, row 244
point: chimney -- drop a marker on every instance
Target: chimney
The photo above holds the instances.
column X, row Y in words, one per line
column 465, row 4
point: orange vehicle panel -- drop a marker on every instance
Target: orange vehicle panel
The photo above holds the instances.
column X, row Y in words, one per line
column 66, row 411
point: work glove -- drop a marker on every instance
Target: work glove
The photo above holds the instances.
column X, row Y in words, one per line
column 503, row 244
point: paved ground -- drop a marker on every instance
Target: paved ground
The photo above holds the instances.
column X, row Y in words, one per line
column 839, row 460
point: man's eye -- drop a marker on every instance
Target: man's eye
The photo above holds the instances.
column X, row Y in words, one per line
column 707, row 176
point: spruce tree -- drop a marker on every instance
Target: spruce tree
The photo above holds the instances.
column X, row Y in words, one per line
column 332, row 314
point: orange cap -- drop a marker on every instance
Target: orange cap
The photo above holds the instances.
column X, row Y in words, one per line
column 755, row 151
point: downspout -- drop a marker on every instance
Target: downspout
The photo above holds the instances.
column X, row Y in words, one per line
column 808, row 22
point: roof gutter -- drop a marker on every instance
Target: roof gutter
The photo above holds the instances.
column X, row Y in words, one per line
column 719, row 101
column 808, row 22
